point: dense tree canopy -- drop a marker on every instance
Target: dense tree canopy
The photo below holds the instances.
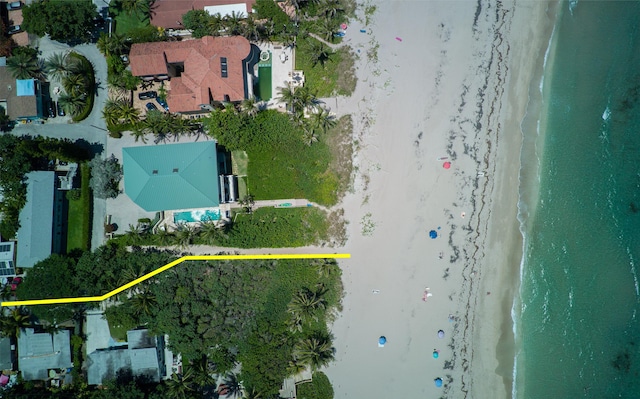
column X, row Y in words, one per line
column 216, row 313
column 53, row 277
column 62, row 20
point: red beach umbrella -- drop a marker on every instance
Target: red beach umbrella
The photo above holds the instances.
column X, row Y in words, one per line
column 446, row 165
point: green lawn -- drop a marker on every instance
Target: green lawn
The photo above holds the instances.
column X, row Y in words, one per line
column 79, row 219
column 126, row 22
column 336, row 76
column 118, row 333
column 239, row 162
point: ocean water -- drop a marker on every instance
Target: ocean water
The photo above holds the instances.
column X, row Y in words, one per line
column 577, row 320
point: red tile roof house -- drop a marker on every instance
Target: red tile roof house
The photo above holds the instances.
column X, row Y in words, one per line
column 168, row 13
column 200, row 72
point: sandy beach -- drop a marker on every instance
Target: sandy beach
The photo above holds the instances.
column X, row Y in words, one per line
column 438, row 82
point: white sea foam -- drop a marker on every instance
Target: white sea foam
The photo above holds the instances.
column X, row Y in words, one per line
column 572, row 5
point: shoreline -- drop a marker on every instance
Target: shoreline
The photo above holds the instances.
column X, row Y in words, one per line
column 496, row 349
column 470, row 64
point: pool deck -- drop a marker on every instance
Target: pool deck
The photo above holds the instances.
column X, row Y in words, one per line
column 282, row 64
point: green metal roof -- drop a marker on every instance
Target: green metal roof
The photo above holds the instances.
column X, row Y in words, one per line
column 172, row 176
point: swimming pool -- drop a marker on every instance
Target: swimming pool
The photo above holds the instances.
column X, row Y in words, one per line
column 200, row 215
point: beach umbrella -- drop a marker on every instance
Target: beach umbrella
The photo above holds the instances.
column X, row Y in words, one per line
column 433, row 234
column 438, row 382
column 446, row 165
column 436, row 354
column 343, row 26
column 440, row 334
column 382, row 340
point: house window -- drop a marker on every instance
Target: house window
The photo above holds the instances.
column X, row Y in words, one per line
column 5, row 247
column 223, row 67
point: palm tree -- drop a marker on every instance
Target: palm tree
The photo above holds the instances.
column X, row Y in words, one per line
column 111, row 45
column 17, row 320
column 74, row 84
column 139, row 133
column 233, row 384
column 23, row 66
column 305, row 304
column 202, row 373
column 140, row 7
column 328, row 27
column 306, row 101
column 179, row 386
column 247, row 202
column 330, row 8
column 134, row 235
column 251, row 393
column 319, row 53
column 184, row 235
column 250, row 106
column 110, row 112
column 127, row 112
column 251, row 30
column 309, row 136
column 326, row 267
column 6, row 292
column 57, row 66
column 163, row 238
column 144, row 303
column 316, row 351
column 322, row 121
column 233, row 24
column 287, row 96
column 209, row 232
column 73, row 104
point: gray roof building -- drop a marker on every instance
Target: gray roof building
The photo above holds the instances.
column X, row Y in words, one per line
column 144, row 355
column 36, row 220
column 40, row 352
column 6, row 362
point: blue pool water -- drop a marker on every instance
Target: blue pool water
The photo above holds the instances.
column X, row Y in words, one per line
column 201, row 215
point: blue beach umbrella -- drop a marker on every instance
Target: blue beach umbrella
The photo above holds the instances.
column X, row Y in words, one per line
column 382, row 340
column 433, row 234
column 438, row 382
column 435, row 354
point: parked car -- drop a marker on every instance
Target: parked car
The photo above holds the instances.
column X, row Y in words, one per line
column 151, row 107
column 147, row 95
column 52, row 109
column 14, row 29
column 14, row 5
column 162, row 103
column 61, row 111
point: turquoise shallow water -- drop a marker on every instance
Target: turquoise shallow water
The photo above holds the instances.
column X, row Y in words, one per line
column 577, row 321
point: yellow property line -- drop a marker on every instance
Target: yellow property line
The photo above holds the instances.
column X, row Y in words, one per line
column 167, row 267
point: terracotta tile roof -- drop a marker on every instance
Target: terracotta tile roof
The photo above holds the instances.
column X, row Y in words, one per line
column 201, row 80
column 168, row 13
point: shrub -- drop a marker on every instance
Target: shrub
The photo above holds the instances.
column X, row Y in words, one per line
column 319, row 388
column 105, row 177
column 73, row 194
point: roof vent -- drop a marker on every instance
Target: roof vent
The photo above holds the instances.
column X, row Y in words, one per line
column 175, row 170
column 155, row 171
